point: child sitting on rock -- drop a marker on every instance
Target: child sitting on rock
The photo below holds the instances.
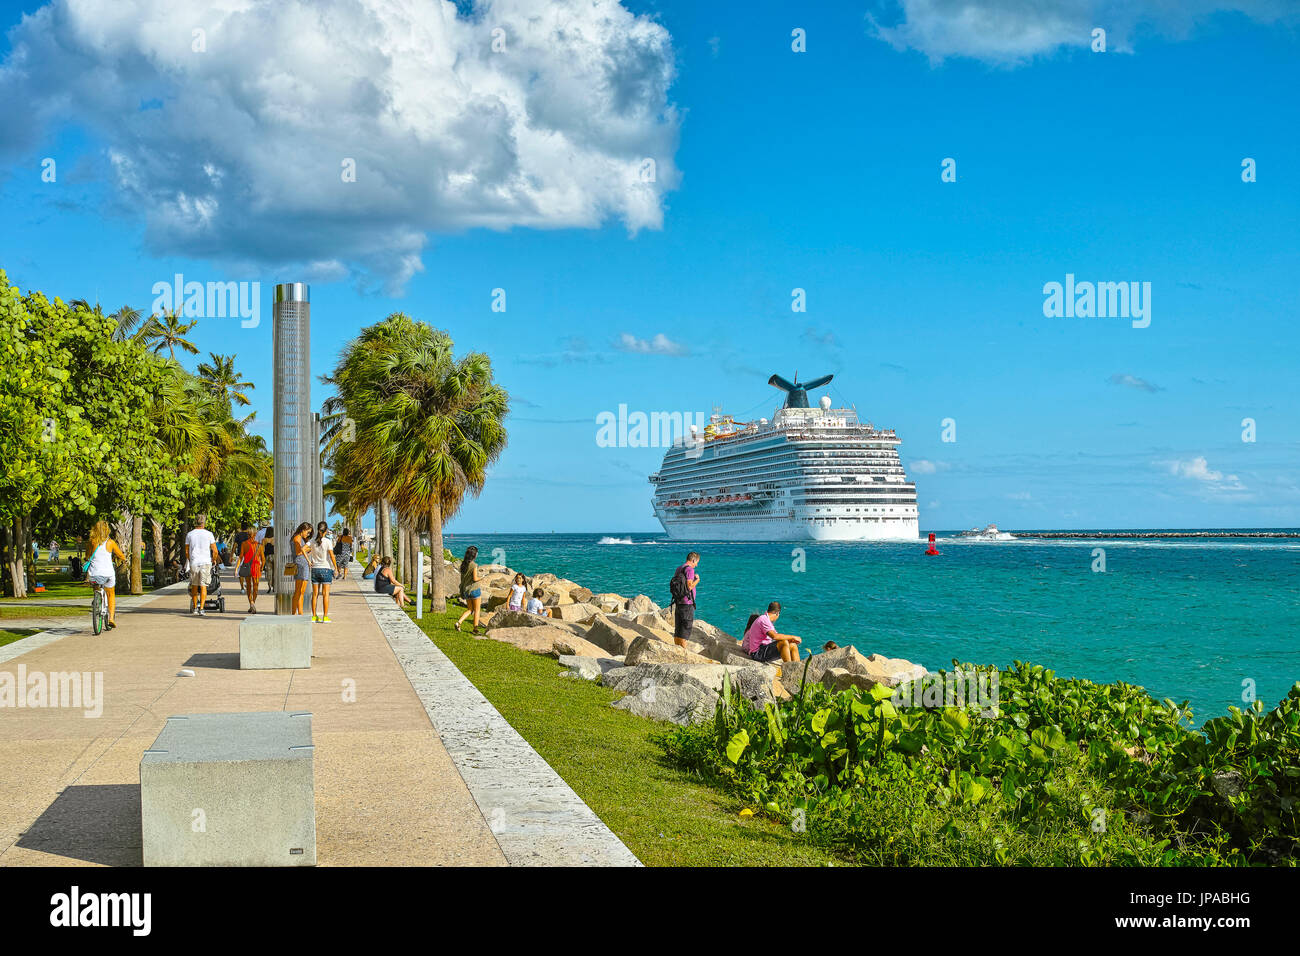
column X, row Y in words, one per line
column 535, row 605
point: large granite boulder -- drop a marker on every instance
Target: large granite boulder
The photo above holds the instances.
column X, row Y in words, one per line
column 652, row 632
column 506, row 618
column 895, row 671
column 612, row 635
column 587, row 668
column 859, row 671
column 554, row 597
column 574, row 612
column 755, row 682
column 548, row 640
column 703, row 631
column 573, row 645
column 649, row 651
column 609, row 602
column 580, row 595
column 640, row 604
column 718, row 648
column 661, row 692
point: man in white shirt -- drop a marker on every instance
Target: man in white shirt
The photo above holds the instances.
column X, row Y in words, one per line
column 200, row 556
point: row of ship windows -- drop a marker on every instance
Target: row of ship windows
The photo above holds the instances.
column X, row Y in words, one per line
column 851, row 454
column 751, row 459
column 747, row 475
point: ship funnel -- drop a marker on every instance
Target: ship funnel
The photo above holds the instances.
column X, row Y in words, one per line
column 797, row 392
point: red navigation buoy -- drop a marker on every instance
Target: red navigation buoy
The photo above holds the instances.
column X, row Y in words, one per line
column 932, row 548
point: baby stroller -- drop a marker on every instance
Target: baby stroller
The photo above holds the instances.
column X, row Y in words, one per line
column 216, row 601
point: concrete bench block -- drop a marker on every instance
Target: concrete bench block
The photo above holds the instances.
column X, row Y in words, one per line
column 230, row 790
column 274, row 642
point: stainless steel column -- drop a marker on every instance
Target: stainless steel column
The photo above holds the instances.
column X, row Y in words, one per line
column 294, row 445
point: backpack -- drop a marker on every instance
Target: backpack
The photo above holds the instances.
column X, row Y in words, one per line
column 677, row 585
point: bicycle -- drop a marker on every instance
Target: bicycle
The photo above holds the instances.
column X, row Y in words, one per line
column 98, row 608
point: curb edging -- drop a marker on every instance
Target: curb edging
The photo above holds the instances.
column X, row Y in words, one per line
column 536, row 818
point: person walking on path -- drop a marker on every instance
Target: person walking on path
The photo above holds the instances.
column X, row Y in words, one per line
column 323, row 568
column 200, row 557
column 385, row 583
column 266, row 538
column 343, row 553
column 54, row 551
column 250, row 569
column 299, row 546
column 763, row 643
column 100, row 568
column 469, row 587
column 682, row 587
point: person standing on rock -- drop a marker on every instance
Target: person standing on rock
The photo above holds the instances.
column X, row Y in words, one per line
column 518, row 593
column 763, row 643
column 682, row 587
column 469, row 587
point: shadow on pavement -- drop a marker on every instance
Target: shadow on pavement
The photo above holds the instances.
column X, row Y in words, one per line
column 95, row 824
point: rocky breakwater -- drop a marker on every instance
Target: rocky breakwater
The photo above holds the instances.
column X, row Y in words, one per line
column 627, row 645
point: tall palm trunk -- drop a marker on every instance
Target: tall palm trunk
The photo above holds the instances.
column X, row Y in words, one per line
column 437, row 593
column 383, row 530
column 404, row 552
column 137, row 547
column 159, row 552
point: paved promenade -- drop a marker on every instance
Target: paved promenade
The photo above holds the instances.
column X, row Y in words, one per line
column 387, row 792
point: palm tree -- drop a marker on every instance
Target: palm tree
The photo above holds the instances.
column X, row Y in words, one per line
column 427, row 425
column 220, row 378
column 131, row 324
column 168, row 331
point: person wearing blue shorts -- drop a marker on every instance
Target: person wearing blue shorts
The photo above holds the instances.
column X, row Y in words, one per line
column 323, row 568
column 470, row 589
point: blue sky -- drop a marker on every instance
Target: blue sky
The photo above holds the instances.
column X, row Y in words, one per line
column 779, row 170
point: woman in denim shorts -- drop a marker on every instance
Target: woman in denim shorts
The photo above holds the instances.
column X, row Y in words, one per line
column 323, row 567
column 300, row 545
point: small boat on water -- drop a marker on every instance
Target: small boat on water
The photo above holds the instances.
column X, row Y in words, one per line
column 988, row 533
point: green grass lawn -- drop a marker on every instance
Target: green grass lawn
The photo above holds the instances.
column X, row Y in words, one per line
column 611, row 760
column 20, row 609
column 8, row 637
column 59, row 585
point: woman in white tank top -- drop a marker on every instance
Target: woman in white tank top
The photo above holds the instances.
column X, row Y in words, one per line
column 100, row 569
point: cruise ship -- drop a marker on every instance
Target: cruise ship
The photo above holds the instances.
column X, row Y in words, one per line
column 811, row 473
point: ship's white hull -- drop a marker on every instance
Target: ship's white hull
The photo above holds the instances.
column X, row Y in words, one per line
column 790, row 529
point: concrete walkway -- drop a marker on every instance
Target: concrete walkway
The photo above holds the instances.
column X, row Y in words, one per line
column 387, row 792
column 538, row 819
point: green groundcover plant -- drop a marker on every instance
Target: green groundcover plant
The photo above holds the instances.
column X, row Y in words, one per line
column 1060, row 772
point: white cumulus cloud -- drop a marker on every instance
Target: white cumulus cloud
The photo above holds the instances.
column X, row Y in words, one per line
column 231, row 145
column 1198, row 469
column 923, row 466
column 659, row 345
column 1009, row 32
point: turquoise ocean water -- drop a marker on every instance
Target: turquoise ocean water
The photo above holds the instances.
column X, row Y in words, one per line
column 1189, row 619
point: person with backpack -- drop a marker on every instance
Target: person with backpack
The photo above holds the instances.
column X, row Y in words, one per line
column 682, row 588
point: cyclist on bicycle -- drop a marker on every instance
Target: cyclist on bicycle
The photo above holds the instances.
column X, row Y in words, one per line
column 100, row 571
